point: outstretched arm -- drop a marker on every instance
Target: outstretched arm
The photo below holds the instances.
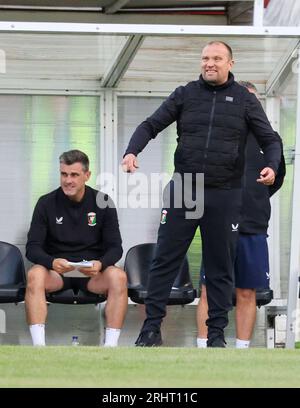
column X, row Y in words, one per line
column 166, row 114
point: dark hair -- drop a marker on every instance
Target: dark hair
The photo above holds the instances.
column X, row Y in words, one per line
column 248, row 85
column 229, row 49
column 75, row 156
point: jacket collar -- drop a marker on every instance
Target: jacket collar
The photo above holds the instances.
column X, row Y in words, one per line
column 217, row 87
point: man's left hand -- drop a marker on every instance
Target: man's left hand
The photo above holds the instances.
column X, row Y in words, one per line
column 93, row 271
column 267, row 176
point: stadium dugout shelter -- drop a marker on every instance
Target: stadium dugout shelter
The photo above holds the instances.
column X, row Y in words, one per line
column 85, row 78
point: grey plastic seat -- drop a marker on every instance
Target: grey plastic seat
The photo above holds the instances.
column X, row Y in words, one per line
column 12, row 274
column 76, row 297
column 263, row 297
column 137, row 265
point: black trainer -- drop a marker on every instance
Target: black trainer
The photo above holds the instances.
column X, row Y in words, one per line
column 216, row 342
column 149, row 338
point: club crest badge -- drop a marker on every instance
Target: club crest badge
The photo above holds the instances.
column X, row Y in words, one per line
column 92, row 219
column 163, row 218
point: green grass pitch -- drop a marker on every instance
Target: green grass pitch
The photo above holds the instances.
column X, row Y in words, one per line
column 24, row 366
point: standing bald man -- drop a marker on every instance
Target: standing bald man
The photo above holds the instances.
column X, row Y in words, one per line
column 214, row 115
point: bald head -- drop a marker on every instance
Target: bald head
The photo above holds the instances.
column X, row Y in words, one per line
column 228, row 48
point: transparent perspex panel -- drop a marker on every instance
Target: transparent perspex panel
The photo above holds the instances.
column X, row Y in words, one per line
column 56, row 59
column 35, row 130
column 288, row 106
column 140, row 225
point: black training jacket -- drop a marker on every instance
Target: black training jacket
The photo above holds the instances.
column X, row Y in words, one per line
column 256, row 209
column 212, row 127
column 61, row 228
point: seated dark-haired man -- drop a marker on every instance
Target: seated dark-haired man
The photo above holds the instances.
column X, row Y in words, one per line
column 68, row 226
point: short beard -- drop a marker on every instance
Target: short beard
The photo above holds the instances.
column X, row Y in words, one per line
column 213, row 83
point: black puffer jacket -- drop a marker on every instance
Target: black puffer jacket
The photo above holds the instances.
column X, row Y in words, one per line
column 212, row 127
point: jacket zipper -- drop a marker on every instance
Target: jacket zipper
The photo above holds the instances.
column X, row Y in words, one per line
column 210, row 127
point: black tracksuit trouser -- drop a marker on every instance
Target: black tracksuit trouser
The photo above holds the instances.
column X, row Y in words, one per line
column 219, row 233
